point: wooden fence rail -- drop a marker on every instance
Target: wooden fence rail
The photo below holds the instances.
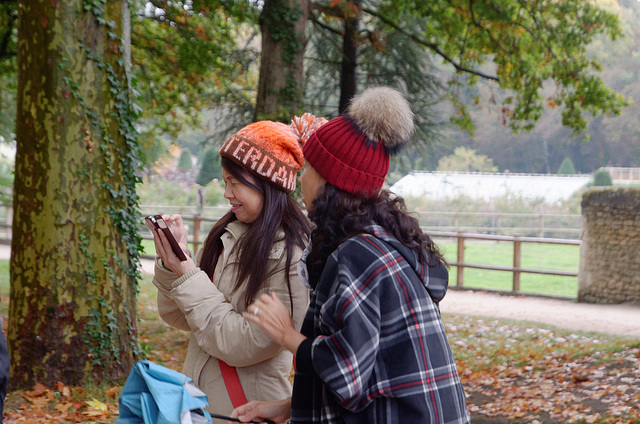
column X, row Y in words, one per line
column 501, row 223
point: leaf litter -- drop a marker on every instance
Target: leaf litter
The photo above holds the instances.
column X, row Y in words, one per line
column 512, row 372
column 519, row 372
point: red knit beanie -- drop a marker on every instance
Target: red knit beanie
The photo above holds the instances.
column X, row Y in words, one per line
column 352, row 151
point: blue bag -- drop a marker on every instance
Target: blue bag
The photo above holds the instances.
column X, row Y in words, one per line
column 154, row 394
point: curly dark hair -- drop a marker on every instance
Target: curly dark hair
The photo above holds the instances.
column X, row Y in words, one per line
column 279, row 210
column 339, row 215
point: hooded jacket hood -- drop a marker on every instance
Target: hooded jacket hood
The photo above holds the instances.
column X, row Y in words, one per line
column 434, row 278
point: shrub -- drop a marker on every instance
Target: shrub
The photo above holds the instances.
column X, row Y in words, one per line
column 602, row 178
column 184, row 161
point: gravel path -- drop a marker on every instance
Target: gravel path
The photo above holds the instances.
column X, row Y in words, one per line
column 623, row 320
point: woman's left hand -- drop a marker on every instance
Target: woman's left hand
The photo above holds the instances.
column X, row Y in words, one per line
column 270, row 314
column 256, row 411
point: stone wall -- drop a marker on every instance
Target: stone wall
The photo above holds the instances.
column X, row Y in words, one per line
column 610, row 250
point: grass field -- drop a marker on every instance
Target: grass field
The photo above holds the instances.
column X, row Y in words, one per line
column 533, row 255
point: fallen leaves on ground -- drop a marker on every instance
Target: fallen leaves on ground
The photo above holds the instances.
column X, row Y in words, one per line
column 60, row 404
column 513, row 372
column 161, row 343
column 527, row 374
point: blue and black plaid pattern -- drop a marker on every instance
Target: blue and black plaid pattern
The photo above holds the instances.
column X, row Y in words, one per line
column 377, row 351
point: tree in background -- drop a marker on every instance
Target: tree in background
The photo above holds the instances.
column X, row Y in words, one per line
column 184, row 160
column 566, row 167
column 75, row 247
column 210, row 167
column 464, row 159
column 280, row 87
column 8, row 50
column 190, row 57
column 389, row 58
column 608, row 140
column 514, row 47
column 435, row 51
column 518, row 46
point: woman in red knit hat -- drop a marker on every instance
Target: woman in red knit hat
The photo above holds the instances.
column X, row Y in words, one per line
column 251, row 250
column 372, row 348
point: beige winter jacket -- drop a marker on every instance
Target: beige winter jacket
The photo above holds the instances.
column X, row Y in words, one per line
column 212, row 314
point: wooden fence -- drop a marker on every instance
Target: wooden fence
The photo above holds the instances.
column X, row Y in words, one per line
column 566, row 226
column 198, row 227
column 516, row 269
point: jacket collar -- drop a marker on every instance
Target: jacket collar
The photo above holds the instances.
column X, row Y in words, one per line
column 237, row 229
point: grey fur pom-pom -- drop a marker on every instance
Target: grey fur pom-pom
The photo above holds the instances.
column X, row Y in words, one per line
column 384, row 115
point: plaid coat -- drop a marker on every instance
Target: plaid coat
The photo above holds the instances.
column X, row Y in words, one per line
column 376, row 348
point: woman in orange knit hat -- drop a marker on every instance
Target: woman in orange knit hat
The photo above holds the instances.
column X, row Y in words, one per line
column 253, row 249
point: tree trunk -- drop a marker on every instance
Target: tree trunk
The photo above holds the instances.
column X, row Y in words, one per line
column 75, row 248
column 280, row 86
column 348, row 74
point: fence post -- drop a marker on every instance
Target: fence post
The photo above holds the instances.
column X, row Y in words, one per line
column 460, row 268
column 517, row 245
column 541, row 226
column 196, row 232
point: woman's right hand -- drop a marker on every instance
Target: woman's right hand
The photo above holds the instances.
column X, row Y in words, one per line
column 256, row 410
column 270, row 314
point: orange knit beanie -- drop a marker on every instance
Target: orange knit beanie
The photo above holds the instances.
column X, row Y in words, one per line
column 272, row 150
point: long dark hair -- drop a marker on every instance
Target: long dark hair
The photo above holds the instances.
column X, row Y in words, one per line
column 279, row 210
column 339, row 215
